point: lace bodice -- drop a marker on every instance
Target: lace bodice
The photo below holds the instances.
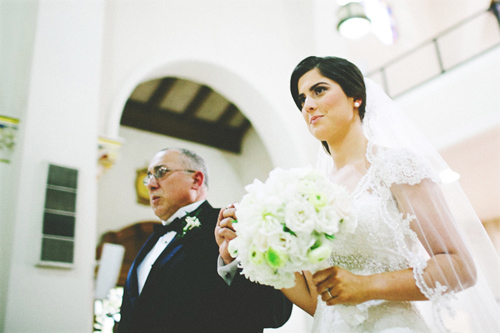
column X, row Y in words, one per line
column 382, row 228
column 372, row 249
column 383, row 242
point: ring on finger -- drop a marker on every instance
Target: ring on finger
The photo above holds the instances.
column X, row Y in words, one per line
column 329, row 293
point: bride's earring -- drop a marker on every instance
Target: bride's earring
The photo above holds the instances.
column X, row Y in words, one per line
column 357, row 104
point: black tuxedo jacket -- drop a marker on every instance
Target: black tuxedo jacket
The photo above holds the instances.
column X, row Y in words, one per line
column 184, row 293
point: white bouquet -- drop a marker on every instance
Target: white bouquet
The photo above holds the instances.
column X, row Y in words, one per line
column 289, row 224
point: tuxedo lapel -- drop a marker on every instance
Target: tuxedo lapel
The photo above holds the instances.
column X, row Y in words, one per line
column 172, row 248
column 133, row 285
column 167, row 256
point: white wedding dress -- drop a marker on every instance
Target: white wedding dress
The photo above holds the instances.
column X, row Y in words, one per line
column 374, row 248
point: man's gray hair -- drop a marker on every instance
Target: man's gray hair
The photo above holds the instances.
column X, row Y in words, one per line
column 191, row 160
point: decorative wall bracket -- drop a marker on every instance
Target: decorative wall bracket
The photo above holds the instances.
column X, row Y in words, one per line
column 108, row 152
column 8, row 132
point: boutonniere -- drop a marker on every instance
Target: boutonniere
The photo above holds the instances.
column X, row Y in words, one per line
column 191, row 222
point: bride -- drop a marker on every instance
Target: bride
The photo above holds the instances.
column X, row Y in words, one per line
column 419, row 259
column 408, row 246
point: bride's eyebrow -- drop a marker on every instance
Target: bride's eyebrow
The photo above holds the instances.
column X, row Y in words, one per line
column 316, row 85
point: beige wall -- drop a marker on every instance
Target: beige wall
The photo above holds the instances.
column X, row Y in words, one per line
column 459, row 112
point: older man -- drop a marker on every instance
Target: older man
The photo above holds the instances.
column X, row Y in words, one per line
column 173, row 284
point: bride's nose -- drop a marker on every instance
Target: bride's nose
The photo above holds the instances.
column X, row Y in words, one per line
column 309, row 104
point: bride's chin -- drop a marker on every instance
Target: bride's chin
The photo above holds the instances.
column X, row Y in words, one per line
column 318, row 135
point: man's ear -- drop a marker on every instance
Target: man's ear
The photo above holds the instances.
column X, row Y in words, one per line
column 198, row 179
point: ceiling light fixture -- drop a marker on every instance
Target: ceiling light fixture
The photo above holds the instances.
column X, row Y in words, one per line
column 353, row 22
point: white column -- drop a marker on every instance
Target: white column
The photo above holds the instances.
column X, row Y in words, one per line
column 58, row 126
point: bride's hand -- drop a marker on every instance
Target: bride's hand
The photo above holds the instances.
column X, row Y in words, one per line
column 224, row 232
column 339, row 286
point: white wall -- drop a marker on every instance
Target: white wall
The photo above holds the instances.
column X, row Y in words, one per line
column 229, row 173
column 59, row 125
column 246, row 53
column 460, row 113
column 459, row 104
column 17, row 31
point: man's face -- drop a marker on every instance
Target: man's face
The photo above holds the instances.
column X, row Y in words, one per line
column 173, row 190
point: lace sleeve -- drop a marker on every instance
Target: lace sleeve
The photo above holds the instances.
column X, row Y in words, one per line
column 450, row 266
column 454, row 263
column 447, row 265
column 401, row 166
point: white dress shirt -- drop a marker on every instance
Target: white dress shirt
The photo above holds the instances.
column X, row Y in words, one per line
column 227, row 272
column 145, row 266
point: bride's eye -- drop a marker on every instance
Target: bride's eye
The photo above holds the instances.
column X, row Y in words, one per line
column 319, row 90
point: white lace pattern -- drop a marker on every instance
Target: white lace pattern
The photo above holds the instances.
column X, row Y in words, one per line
column 382, row 243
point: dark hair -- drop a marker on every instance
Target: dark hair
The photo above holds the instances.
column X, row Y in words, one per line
column 340, row 70
column 191, row 160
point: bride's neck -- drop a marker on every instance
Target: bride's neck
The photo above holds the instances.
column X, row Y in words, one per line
column 350, row 151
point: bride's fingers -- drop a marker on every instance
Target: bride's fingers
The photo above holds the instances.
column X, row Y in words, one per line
column 226, row 233
column 332, row 301
column 229, row 212
column 220, row 217
column 328, row 296
column 322, row 282
column 325, row 274
column 224, row 253
column 327, row 290
column 227, row 223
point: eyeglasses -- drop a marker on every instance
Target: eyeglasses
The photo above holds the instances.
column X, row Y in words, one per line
column 160, row 172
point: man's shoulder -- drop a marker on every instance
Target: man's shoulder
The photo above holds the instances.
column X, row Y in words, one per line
column 208, row 217
column 206, row 210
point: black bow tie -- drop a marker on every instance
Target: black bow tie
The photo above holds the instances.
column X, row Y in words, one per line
column 176, row 225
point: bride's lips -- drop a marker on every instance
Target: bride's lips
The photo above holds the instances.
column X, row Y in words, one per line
column 314, row 119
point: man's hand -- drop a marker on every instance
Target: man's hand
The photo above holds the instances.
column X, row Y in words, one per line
column 224, row 232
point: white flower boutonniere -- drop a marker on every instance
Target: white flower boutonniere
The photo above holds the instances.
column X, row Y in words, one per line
column 190, row 223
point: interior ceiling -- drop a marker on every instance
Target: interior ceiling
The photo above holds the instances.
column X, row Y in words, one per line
column 186, row 110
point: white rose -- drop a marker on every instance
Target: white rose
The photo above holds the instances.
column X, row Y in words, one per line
column 328, row 221
column 299, row 217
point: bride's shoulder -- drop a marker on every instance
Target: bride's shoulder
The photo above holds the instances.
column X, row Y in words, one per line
column 401, row 166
